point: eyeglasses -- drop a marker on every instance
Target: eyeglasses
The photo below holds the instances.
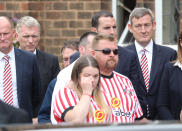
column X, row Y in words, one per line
column 107, row 51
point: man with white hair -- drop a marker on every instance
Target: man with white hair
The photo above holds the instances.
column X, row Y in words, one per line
column 28, row 35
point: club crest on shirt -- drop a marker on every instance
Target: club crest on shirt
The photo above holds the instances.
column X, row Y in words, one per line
column 99, row 115
column 115, row 102
column 127, row 91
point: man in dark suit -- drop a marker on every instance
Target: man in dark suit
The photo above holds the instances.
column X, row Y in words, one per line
column 25, row 77
column 151, row 59
column 104, row 22
column 28, row 35
column 10, row 114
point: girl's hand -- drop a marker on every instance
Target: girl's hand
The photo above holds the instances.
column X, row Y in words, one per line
column 86, row 85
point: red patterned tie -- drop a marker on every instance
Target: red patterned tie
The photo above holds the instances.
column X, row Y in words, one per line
column 144, row 67
column 7, row 82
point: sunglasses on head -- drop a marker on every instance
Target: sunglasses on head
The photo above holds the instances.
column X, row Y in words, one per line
column 107, row 51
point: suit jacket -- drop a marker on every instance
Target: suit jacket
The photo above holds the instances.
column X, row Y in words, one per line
column 45, row 109
column 49, row 68
column 127, row 64
column 170, row 93
column 74, row 57
column 28, row 81
column 161, row 55
column 9, row 114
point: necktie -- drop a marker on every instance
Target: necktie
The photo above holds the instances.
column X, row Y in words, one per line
column 145, row 70
column 7, row 82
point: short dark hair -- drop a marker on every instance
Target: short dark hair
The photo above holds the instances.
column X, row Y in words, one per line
column 84, row 38
column 72, row 44
column 95, row 18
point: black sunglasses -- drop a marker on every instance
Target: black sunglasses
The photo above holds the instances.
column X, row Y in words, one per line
column 107, row 51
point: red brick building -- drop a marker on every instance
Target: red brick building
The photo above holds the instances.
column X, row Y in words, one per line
column 61, row 19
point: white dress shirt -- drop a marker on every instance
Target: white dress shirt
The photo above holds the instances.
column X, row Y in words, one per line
column 149, row 53
column 178, row 64
column 12, row 63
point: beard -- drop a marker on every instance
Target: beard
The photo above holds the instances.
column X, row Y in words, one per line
column 111, row 64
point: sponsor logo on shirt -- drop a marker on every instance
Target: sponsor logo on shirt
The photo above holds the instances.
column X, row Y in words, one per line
column 121, row 113
column 115, row 102
column 99, row 116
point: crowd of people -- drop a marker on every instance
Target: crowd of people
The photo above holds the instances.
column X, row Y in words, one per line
column 101, row 82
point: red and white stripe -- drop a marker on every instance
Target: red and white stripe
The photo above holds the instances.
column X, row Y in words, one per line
column 120, row 87
column 116, row 87
column 65, row 98
column 7, row 82
column 145, row 70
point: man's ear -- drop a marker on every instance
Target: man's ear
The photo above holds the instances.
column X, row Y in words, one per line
column 81, row 49
column 130, row 28
column 15, row 34
column 93, row 29
column 92, row 53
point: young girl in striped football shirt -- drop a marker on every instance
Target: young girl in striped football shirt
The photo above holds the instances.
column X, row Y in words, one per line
column 82, row 101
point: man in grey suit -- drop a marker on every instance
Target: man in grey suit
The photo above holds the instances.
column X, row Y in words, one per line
column 25, row 77
column 28, row 35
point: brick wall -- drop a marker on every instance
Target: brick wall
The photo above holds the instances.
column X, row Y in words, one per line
column 60, row 19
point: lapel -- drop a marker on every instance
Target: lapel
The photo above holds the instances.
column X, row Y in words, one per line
column 40, row 59
column 156, row 61
column 19, row 72
column 38, row 54
column 132, row 47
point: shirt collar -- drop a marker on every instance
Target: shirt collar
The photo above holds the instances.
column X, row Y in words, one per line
column 178, row 64
column 10, row 54
column 32, row 52
column 35, row 52
column 148, row 48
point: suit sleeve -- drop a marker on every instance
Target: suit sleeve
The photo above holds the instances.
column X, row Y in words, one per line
column 163, row 96
column 133, row 74
column 45, row 109
column 56, row 67
column 35, row 88
column 64, row 99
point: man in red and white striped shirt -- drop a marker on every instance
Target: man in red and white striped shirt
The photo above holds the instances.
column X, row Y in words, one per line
column 117, row 89
column 121, row 94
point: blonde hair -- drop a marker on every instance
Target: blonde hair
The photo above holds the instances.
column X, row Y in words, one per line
column 81, row 63
column 99, row 37
column 27, row 21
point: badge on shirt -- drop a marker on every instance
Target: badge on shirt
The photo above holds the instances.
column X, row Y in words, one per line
column 99, row 115
column 127, row 91
column 115, row 102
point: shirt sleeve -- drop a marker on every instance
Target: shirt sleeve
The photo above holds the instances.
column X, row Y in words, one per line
column 64, row 99
column 138, row 110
